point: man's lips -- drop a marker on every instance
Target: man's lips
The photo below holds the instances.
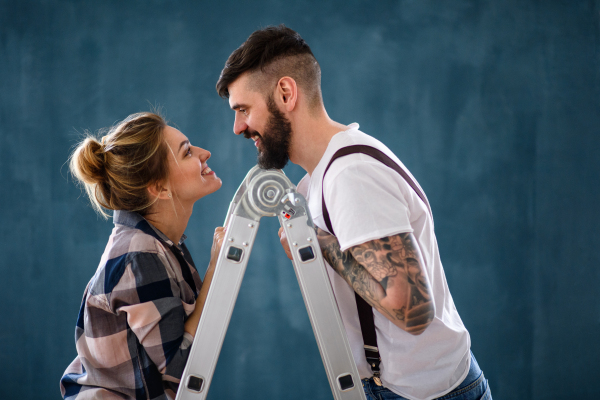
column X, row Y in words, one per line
column 254, row 136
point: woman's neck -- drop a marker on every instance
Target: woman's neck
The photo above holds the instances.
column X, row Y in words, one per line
column 169, row 219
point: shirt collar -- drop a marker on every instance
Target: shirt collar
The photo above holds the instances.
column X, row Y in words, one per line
column 331, row 148
column 136, row 221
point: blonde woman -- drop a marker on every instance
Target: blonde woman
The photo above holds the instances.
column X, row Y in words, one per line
column 141, row 308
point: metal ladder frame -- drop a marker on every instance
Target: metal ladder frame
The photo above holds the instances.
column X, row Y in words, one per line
column 269, row 193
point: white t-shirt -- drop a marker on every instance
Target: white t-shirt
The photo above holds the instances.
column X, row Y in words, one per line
column 367, row 200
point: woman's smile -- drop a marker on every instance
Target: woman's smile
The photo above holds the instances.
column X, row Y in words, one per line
column 207, row 171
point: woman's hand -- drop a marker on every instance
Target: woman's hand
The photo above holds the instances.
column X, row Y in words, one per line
column 217, row 243
column 284, row 243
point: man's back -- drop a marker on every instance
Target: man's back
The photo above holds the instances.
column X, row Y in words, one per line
column 367, row 200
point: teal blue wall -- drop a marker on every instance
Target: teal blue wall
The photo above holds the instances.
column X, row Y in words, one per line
column 494, row 106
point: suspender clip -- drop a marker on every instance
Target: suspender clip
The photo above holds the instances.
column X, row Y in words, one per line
column 376, row 379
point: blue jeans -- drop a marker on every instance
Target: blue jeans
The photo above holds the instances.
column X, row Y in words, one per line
column 473, row 387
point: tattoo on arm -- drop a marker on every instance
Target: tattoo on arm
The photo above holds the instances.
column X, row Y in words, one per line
column 389, row 274
column 349, row 269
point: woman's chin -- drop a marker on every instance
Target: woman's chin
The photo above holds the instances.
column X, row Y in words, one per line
column 213, row 187
column 220, row 183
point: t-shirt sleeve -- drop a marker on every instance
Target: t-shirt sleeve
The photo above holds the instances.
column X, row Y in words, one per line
column 154, row 313
column 365, row 201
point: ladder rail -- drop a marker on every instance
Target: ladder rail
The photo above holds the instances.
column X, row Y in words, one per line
column 216, row 314
column 270, row 193
column 323, row 312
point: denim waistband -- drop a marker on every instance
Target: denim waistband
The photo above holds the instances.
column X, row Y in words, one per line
column 473, row 378
column 473, row 375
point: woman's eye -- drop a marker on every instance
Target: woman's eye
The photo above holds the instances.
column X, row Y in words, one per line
column 188, row 152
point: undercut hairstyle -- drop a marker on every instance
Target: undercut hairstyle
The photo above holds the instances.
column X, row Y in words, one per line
column 270, row 54
column 117, row 169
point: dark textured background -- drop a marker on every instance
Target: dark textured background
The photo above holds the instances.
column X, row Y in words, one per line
column 494, row 106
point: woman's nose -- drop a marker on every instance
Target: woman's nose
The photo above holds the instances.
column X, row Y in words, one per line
column 204, row 154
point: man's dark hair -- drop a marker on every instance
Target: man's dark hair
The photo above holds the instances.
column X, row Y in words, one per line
column 272, row 53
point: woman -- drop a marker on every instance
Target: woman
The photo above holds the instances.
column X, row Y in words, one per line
column 141, row 309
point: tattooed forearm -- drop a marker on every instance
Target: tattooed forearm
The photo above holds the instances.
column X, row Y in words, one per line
column 349, row 269
column 388, row 273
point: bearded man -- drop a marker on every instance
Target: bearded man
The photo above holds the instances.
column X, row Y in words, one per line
column 375, row 224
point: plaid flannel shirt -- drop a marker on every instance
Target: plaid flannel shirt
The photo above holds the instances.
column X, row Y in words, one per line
column 130, row 336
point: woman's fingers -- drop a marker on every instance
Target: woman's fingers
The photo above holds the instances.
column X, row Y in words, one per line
column 220, row 235
column 284, row 243
column 218, row 239
column 220, row 232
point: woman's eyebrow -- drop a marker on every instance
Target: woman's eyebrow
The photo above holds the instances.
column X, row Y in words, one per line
column 182, row 143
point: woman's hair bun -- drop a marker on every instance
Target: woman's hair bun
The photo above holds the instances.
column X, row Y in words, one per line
column 88, row 162
column 117, row 172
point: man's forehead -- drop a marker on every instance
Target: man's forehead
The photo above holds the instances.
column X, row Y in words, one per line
column 243, row 90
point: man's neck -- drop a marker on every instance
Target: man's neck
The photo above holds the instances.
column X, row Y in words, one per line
column 311, row 138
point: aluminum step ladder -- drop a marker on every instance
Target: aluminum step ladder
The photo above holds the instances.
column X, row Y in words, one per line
column 269, row 193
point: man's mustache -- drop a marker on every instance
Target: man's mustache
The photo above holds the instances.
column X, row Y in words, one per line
column 248, row 135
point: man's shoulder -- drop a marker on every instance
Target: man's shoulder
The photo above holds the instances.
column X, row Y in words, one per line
column 356, row 166
column 355, row 137
column 352, row 166
column 352, row 136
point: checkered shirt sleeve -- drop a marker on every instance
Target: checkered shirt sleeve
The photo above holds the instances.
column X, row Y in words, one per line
column 130, row 334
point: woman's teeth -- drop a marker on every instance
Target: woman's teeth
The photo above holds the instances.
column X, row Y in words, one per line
column 206, row 170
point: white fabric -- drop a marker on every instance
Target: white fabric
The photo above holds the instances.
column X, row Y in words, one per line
column 367, row 200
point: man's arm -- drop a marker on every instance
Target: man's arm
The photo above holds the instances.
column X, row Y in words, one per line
column 389, row 274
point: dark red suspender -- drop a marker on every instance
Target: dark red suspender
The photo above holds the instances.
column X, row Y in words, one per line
column 379, row 156
column 365, row 312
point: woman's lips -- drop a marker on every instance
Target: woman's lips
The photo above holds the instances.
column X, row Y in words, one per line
column 207, row 171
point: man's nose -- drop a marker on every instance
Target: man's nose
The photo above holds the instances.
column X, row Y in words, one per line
column 239, row 126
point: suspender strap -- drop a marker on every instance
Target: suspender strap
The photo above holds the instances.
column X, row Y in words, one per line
column 365, row 311
column 367, row 328
column 379, row 156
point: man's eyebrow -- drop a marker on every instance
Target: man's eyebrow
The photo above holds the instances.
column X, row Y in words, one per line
column 181, row 144
column 236, row 106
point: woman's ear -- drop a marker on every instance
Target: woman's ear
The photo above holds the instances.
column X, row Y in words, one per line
column 158, row 191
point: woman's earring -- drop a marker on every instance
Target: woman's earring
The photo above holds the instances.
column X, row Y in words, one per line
column 170, row 195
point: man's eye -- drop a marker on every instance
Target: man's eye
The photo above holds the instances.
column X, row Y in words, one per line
column 243, row 111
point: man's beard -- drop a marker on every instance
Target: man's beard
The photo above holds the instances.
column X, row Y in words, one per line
column 274, row 151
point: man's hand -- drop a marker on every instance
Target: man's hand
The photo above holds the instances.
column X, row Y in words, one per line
column 389, row 274
column 284, row 243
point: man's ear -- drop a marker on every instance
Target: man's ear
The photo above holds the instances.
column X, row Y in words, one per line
column 157, row 190
column 287, row 92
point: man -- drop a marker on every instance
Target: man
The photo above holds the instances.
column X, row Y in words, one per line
column 384, row 248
